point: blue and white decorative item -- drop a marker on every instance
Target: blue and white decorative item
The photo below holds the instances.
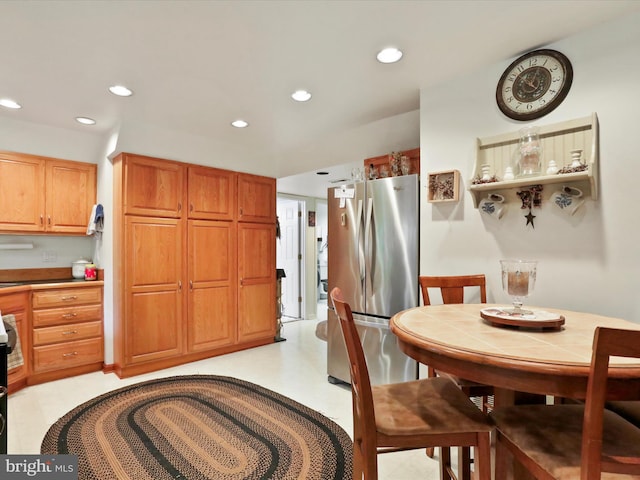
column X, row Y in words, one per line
column 493, row 205
column 569, row 199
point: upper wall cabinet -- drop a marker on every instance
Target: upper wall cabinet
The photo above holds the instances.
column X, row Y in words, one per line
column 212, row 193
column 45, row 195
column 557, row 141
column 153, row 187
column 256, row 199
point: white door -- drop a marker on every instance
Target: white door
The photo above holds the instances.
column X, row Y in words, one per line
column 289, row 256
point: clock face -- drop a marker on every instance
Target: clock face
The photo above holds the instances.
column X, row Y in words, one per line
column 534, row 84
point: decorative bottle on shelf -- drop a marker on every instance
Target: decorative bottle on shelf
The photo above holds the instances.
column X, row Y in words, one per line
column 576, row 158
column 486, row 172
column 529, row 152
column 508, row 173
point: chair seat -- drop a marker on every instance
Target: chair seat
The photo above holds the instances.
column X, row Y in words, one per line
column 551, row 436
column 629, row 410
column 428, row 406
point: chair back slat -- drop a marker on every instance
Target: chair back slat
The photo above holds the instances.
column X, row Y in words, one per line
column 452, row 287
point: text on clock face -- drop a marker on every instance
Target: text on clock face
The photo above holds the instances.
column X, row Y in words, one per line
column 530, row 83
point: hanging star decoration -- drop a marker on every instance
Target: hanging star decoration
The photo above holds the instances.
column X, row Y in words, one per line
column 532, row 197
column 530, row 216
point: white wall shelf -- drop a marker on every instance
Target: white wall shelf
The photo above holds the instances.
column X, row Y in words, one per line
column 557, row 141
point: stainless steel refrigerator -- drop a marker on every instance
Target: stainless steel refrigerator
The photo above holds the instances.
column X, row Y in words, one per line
column 373, row 243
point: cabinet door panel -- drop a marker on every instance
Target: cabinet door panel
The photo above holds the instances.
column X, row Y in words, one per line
column 153, row 187
column 256, row 199
column 257, row 285
column 153, row 252
column 71, row 193
column 212, row 193
column 153, row 279
column 154, row 325
column 22, row 193
column 212, row 284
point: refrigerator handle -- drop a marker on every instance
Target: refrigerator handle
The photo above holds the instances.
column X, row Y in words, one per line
column 359, row 242
column 369, row 240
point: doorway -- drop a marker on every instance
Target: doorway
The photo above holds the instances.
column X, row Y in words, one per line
column 289, row 255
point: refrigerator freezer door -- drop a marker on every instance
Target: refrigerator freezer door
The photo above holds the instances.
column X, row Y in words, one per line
column 391, row 245
column 345, row 236
column 385, row 361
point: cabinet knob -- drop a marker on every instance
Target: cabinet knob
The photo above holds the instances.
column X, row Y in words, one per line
column 49, row 219
column 191, row 285
column 41, row 219
column 70, row 354
column 179, row 206
column 69, row 315
column 70, row 332
column 69, row 298
column 191, row 207
column 180, row 285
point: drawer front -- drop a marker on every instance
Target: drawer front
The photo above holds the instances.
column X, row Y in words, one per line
column 66, row 297
column 66, row 333
column 62, row 316
column 65, row 355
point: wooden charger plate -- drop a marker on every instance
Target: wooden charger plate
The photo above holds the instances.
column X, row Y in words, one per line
column 539, row 319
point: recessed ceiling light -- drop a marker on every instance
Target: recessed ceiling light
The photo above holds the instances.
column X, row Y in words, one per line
column 120, row 90
column 301, row 95
column 5, row 102
column 85, row 120
column 389, row 55
column 239, row 123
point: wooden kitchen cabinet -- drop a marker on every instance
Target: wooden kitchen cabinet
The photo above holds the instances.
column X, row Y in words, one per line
column 257, row 281
column 212, row 193
column 177, row 295
column 256, row 199
column 152, row 187
column 153, row 279
column 45, row 195
column 67, row 336
column 17, row 304
column 212, row 276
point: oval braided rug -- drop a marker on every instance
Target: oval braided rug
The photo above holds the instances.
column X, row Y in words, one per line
column 200, row 427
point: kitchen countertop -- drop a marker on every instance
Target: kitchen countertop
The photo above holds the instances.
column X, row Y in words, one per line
column 11, row 287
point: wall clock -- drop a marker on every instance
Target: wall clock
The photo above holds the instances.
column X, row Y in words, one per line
column 534, row 84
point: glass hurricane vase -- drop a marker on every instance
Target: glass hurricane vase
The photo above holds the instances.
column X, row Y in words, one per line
column 518, row 280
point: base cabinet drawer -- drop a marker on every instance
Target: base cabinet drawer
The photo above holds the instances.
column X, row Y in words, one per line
column 66, row 315
column 68, row 354
column 66, row 333
column 65, row 297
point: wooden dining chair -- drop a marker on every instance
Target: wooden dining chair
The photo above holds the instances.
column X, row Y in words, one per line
column 574, row 441
column 432, row 412
column 452, row 289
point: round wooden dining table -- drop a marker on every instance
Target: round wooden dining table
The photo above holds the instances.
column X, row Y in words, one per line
column 456, row 339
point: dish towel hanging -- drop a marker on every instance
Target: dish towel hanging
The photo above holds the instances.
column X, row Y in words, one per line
column 96, row 220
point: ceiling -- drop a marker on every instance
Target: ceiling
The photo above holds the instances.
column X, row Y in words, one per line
column 195, row 66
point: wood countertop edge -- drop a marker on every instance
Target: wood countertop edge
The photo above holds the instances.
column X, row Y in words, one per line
column 48, row 286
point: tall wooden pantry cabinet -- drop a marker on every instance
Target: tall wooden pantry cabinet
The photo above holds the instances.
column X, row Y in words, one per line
column 196, row 269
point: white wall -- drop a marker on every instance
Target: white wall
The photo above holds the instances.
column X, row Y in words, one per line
column 589, row 262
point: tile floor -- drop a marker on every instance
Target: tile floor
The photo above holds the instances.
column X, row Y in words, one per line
column 295, row 368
